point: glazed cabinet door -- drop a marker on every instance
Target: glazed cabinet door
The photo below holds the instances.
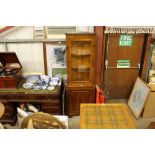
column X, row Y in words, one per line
column 80, row 58
column 81, row 61
column 76, row 96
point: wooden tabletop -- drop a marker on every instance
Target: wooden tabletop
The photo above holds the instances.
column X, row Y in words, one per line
column 105, row 116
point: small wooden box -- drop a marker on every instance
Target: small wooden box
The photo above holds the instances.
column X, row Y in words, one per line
column 10, row 70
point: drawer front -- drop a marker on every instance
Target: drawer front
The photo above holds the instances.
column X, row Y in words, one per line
column 9, row 107
column 11, row 84
column 2, row 84
column 28, row 97
column 51, row 107
column 52, row 111
column 5, row 97
column 8, row 118
column 9, row 113
column 42, row 97
column 52, row 103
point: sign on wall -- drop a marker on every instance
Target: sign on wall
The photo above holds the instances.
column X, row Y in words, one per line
column 125, row 40
column 123, row 63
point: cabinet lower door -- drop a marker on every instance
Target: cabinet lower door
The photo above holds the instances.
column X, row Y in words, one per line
column 76, row 96
column 51, row 107
column 10, row 113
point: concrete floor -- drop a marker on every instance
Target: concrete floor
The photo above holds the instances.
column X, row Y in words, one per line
column 141, row 123
column 74, row 122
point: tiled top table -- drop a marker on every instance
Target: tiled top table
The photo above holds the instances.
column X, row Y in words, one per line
column 105, row 116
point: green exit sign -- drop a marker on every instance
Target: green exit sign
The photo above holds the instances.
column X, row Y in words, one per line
column 125, row 40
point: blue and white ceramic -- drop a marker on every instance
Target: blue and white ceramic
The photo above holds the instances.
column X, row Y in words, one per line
column 27, row 85
column 32, row 78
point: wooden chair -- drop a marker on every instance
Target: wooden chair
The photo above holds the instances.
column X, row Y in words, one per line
column 2, row 109
column 151, row 125
column 42, row 120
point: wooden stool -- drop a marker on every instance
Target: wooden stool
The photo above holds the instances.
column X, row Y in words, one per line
column 151, row 125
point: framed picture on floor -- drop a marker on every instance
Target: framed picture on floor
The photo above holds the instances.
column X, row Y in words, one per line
column 138, row 97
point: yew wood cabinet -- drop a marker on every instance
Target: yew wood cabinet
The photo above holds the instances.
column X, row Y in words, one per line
column 80, row 56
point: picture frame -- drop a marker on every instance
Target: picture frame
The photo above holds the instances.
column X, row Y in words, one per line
column 138, row 97
column 55, row 59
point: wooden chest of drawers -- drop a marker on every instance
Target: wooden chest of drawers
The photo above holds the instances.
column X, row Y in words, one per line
column 50, row 101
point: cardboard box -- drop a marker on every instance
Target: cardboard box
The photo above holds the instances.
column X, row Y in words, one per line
column 149, row 108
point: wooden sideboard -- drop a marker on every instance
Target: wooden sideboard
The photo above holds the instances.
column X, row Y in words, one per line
column 50, row 101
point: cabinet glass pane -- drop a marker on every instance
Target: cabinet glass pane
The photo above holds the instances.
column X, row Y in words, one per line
column 80, row 60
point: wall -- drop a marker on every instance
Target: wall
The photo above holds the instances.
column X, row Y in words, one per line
column 29, row 54
column 18, row 32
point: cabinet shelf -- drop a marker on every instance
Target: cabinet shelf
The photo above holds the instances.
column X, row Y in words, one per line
column 81, row 69
column 81, row 54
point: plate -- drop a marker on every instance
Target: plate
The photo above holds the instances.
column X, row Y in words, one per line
column 28, row 85
column 53, row 82
column 50, row 88
column 32, row 78
column 37, row 87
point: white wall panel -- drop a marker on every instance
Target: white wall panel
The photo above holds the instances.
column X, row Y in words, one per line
column 23, row 32
column 2, row 48
column 30, row 56
column 38, row 57
column 85, row 28
column 12, row 47
column 24, row 52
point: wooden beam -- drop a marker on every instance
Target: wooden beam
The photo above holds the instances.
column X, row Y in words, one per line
column 146, row 55
column 6, row 28
column 45, row 59
column 99, row 30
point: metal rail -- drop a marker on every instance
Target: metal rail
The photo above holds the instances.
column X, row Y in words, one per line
column 32, row 40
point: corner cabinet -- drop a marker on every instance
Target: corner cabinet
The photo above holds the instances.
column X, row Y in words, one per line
column 80, row 86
